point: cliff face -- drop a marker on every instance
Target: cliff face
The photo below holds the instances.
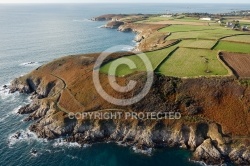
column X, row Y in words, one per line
column 108, row 17
column 215, row 111
column 148, row 36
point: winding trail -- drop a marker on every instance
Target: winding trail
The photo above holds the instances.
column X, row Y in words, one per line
column 59, row 97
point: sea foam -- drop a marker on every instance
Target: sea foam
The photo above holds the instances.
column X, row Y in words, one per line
column 83, row 20
column 147, row 151
column 24, row 136
column 30, row 64
column 62, row 143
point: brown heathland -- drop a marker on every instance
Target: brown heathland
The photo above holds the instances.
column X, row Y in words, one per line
column 222, row 100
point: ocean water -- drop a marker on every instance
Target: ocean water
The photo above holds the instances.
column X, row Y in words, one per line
column 41, row 33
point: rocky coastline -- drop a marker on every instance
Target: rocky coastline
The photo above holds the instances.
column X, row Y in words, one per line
column 148, row 37
column 214, row 123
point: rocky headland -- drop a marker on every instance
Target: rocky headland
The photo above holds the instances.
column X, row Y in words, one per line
column 215, row 112
column 147, row 35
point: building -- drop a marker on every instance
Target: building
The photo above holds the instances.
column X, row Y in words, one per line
column 166, row 15
column 206, row 19
column 245, row 28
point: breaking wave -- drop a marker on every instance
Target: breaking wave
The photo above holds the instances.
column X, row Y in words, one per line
column 23, row 136
column 62, row 143
column 30, row 64
column 147, row 151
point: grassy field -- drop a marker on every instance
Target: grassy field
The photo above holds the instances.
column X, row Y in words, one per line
column 194, row 56
column 186, row 62
column 204, row 34
column 179, row 18
column 240, row 38
column 155, row 57
column 206, row 44
column 233, row 47
column 185, row 28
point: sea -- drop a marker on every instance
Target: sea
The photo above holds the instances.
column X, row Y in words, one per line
column 34, row 34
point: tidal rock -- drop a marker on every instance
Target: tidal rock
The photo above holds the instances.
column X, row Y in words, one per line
column 240, row 156
column 208, row 153
column 18, row 85
column 28, row 109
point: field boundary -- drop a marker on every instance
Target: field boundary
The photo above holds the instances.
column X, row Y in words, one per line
column 237, row 41
column 218, row 41
column 165, row 59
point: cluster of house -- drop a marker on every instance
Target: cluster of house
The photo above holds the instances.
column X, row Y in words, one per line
column 236, row 25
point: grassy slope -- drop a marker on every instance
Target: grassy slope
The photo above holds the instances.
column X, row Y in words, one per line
column 206, row 44
column 240, row 38
column 203, row 34
column 185, row 19
column 187, row 62
column 185, row 28
column 156, row 57
column 233, row 47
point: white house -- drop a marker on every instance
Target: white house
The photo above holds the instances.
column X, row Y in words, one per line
column 206, row 19
column 167, row 16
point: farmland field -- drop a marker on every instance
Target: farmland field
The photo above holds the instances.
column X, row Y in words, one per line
column 186, row 62
column 158, row 18
column 176, row 20
column 239, row 38
column 193, row 56
column 155, row 57
column 203, row 34
column 207, row 44
column 185, row 28
column 238, row 62
column 233, row 47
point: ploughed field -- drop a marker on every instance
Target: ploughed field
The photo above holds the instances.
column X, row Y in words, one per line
column 240, row 63
column 197, row 52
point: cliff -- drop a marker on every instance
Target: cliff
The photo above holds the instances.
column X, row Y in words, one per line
column 215, row 114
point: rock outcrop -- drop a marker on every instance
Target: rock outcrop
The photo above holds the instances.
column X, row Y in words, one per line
column 114, row 24
column 155, row 39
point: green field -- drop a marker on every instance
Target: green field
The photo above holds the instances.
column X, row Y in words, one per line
column 233, row 47
column 185, row 28
column 204, row 34
column 179, row 18
column 192, row 57
column 239, row 38
column 186, row 62
column 206, row 44
column 155, row 57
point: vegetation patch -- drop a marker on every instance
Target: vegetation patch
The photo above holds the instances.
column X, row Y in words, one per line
column 239, row 38
column 155, row 57
column 187, row 62
column 204, row 34
column 233, row 47
column 206, row 44
column 185, row 28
